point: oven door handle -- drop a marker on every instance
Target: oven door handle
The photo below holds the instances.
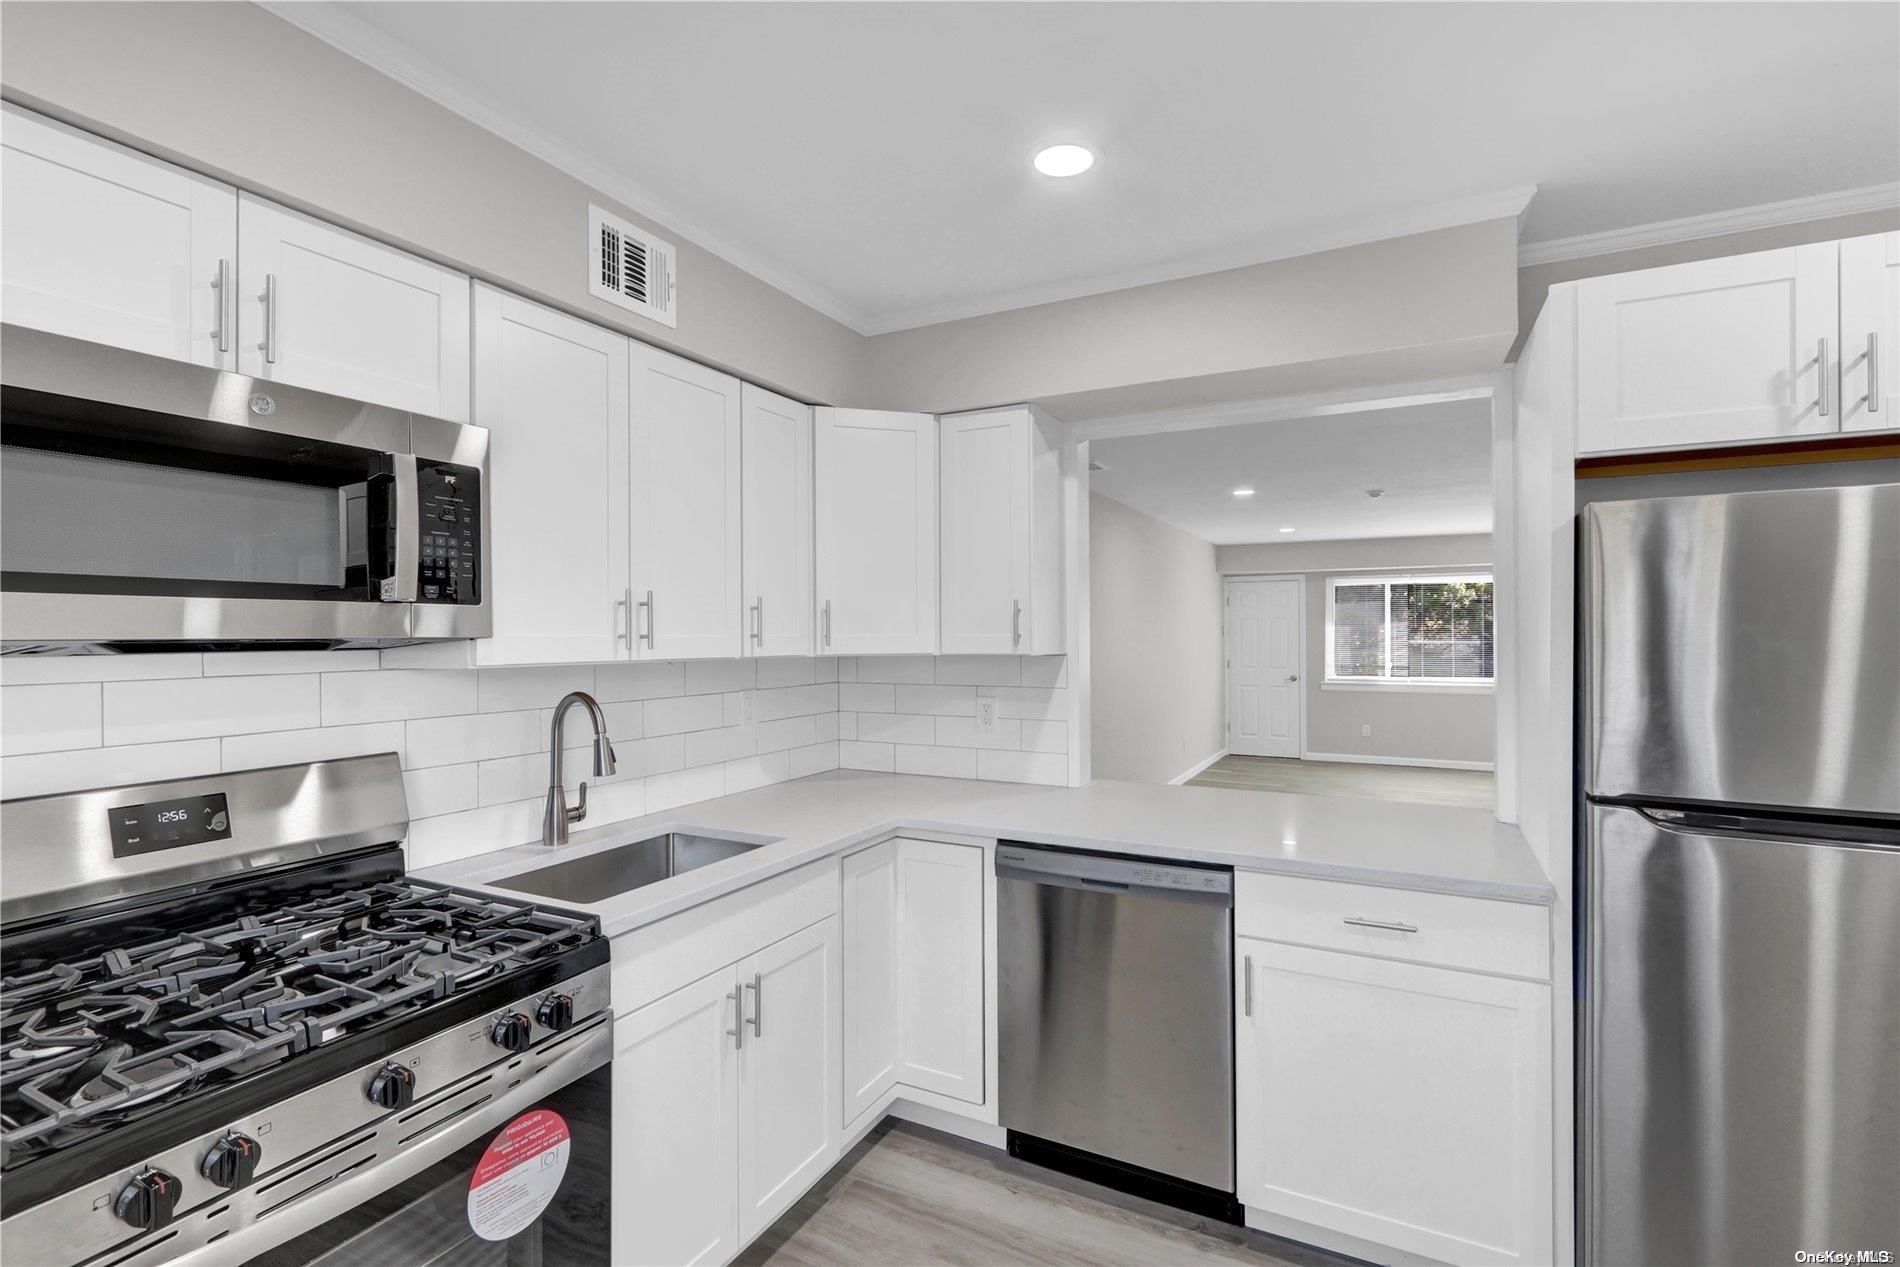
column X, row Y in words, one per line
column 405, row 511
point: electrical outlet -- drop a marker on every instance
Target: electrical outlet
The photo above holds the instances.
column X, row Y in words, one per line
column 1365, row 732
column 986, row 714
column 748, row 707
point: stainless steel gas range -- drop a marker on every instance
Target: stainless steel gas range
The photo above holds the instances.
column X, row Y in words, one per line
column 233, row 1030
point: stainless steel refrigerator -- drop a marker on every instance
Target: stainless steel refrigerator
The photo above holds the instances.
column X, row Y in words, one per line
column 1739, row 931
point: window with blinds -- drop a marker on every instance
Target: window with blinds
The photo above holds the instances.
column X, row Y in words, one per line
column 1417, row 630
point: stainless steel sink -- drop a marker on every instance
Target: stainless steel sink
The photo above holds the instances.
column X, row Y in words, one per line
column 623, row 868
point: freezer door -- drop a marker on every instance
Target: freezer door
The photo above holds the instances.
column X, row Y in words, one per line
column 1744, row 649
column 1741, row 1030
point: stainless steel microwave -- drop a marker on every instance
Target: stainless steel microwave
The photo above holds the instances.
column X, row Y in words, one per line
column 149, row 504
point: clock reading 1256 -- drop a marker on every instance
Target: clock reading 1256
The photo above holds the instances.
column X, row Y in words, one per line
column 194, row 820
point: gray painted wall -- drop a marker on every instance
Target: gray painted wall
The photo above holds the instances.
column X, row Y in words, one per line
column 1154, row 646
column 1411, row 725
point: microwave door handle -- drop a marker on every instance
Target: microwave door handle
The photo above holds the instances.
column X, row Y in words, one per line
column 406, row 513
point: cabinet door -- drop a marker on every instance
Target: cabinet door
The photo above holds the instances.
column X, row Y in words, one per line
column 868, row 927
column 107, row 244
column 788, row 1073
column 986, row 532
column 1735, row 349
column 877, row 532
column 1870, row 333
column 940, row 968
column 553, row 393
column 775, row 449
column 685, row 508
column 676, row 1133
column 1401, row 1104
column 325, row 309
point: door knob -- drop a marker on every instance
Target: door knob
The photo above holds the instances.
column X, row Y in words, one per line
column 1294, row 678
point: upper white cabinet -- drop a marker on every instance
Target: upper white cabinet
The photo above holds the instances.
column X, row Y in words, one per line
column 107, row 244
column 1739, row 348
column 325, row 309
column 775, row 448
column 1870, row 333
column 876, row 561
column 552, row 392
column 1775, row 345
column 1001, row 480
column 685, row 507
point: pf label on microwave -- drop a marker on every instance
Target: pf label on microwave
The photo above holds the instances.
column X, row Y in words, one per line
column 519, row 1174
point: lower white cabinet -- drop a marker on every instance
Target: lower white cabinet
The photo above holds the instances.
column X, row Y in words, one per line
column 916, row 995
column 726, row 1102
column 1402, row 1104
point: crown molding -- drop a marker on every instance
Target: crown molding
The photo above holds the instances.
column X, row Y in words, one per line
column 1767, row 215
column 378, row 50
column 1306, row 405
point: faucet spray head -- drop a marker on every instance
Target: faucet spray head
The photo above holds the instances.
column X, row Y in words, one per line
column 603, row 756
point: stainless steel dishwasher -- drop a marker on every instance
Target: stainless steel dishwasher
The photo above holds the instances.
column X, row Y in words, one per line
column 1116, row 1022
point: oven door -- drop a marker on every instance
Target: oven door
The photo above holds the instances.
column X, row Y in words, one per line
column 532, row 1189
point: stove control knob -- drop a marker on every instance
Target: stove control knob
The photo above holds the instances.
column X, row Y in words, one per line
column 556, row 1012
column 511, row 1033
column 148, row 1200
column 393, row 1087
column 232, row 1161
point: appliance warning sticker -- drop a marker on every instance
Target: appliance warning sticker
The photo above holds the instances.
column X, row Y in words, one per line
column 518, row 1175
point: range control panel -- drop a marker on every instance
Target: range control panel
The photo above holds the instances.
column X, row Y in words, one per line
column 451, row 536
column 156, row 825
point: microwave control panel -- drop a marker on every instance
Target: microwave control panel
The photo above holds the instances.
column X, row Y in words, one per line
column 450, row 569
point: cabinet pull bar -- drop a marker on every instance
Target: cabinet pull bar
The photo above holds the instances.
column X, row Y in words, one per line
column 738, row 1019
column 1821, row 357
column 624, row 603
column 827, row 622
column 1247, row 966
column 646, row 604
column 222, row 285
column 270, row 319
column 1873, row 372
column 1016, row 623
column 758, row 620
column 1393, row 926
column 757, row 986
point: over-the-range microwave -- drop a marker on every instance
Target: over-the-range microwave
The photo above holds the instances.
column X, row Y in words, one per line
column 148, row 504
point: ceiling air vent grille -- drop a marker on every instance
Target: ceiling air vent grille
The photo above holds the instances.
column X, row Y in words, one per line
column 631, row 267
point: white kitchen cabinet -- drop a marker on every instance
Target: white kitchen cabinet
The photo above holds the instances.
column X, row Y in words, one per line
column 916, row 1001
column 685, row 506
column 323, row 308
column 552, row 391
column 1001, row 533
column 1396, row 1103
column 107, row 244
column 775, row 523
column 1870, row 333
column 725, row 1102
column 876, row 559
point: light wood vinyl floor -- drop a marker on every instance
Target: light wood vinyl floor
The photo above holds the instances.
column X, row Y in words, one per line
column 913, row 1197
column 1420, row 784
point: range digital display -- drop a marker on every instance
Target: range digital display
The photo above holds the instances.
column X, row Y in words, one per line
column 158, row 825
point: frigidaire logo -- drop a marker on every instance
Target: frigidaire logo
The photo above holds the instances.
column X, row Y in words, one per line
column 262, row 404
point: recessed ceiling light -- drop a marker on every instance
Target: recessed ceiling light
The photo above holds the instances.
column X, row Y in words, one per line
column 1243, row 491
column 1289, row 530
column 1065, row 160
column 1375, row 492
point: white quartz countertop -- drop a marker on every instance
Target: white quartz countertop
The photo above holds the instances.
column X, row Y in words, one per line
column 1442, row 849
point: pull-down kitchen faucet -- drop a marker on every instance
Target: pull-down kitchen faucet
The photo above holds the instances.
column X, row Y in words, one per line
column 554, row 822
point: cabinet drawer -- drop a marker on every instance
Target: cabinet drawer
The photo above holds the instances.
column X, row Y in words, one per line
column 655, row 960
column 1512, row 938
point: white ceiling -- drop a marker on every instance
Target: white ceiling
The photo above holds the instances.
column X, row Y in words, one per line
column 873, row 158
column 1311, row 474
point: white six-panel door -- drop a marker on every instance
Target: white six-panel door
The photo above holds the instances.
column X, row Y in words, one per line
column 775, row 444
column 1739, row 348
column 322, row 308
column 676, row 1095
column 788, row 1086
column 1870, row 333
column 986, row 532
column 552, row 392
column 685, row 480
column 107, row 244
column 1266, row 641
column 876, row 562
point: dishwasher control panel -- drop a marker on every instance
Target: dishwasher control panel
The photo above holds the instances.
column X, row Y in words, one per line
column 1109, row 871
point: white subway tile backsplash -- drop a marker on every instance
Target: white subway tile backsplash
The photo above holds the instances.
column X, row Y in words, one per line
column 979, row 670
column 1045, row 670
column 504, row 690
column 50, row 718
column 897, row 728
column 450, row 836
column 1023, row 767
column 804, row 701
column 679, row 713
column 824, row 725
column 938, row 701
column 637, row 758
column 865, row 697
column 433, row 741
column 747, row 773
column 321, row 743
column 770, row 705
column 626, row 719
column 198, row 708
column 858, row 755
column 785, row 671
column 961, row 732
column 716, row 747
column 847, row 668
column 40, row 773
column 949, row 763
column 825, row 669
column 1035, row 704
column 897, row 668
column 815, row 759
column 256, row 663
column 444, row 789
column 1045, row 736
column 732, row 704
column 649, row 679
column 394, row 694
column 847, row 725
column 705, row 677
column 789, row 732
column 683, row 787
column 36, row 670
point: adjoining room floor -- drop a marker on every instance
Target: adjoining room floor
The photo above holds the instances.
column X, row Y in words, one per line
column 913, row 1197
column 1423, row 784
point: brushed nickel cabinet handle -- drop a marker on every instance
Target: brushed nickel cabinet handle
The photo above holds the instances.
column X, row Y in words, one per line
column 757, row 986
column 1247, row 993
column 738, row 1019
column 646, row 604
column 827, row 622
column 1821, row 356
column 1391, row 926
column 1873, row 372
column 270, row 319
column 1016, row 623
column 222, row 285
column 758, row 620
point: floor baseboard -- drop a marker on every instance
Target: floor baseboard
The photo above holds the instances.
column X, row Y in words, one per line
column 1185, row 775
column 1433, row 763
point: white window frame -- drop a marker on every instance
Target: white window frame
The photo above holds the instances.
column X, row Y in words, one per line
column 1428, row 686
